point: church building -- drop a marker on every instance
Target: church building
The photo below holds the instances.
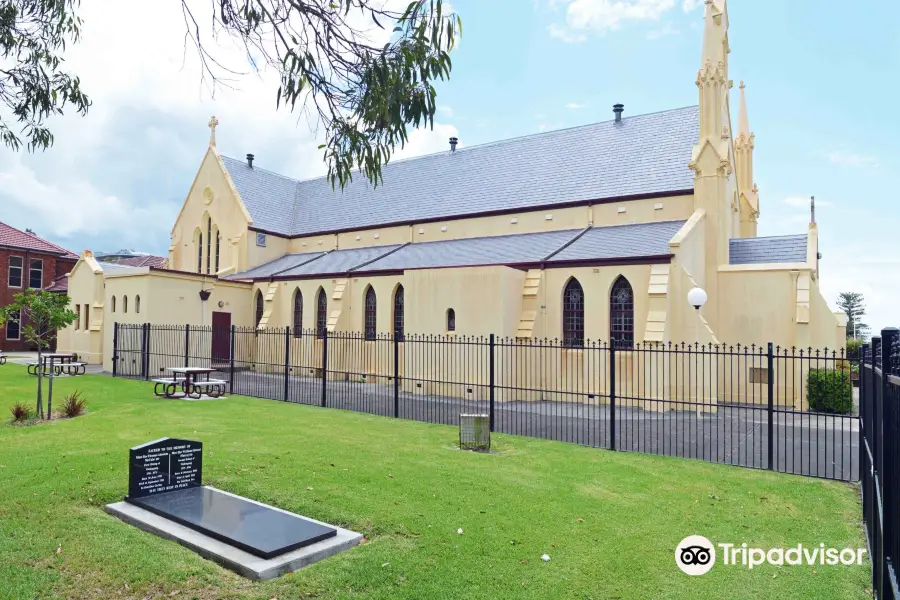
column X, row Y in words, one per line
column 596, row 232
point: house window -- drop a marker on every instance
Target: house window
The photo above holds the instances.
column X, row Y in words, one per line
column 200, row 254
column 573, row 315
column 261, row 239
column 321, row 314
column 218, row 243
column 208, row 243
column 15, row 272
column 77, row 317
column 36, row 274
column 12, row 327
column 125, row 304
column 621, row 315
column 113, row 304
column 398, row 313
column 259, row 307
column 137, row 304
column 298, row 314
column 371, row 305
column 87, row 317
column 451, row 319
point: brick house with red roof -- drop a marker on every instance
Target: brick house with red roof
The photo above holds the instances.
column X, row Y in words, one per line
column 27, row 261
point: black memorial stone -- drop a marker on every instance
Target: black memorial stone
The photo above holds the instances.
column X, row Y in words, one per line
column 260, row 530
column 165, row 479
column 164, row 465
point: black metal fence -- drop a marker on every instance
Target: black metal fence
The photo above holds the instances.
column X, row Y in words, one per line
column 739, row 405
column 880, row 458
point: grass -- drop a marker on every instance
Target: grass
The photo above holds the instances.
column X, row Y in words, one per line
column 609, row 521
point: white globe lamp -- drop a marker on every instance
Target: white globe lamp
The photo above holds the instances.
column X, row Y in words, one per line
column 697, row 297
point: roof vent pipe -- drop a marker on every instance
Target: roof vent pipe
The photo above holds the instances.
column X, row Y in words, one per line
column 618, row 109
column 453, row 142
column 250, row 158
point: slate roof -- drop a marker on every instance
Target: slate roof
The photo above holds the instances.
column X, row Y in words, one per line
column 642, row 155
column 60, row 285
column 620, row 241
column 159, row 262
column 15, row 238
column 775, row 249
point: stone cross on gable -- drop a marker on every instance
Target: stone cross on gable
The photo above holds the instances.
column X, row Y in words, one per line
column 212, row 130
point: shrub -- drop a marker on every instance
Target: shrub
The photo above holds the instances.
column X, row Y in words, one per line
column 853, row 345
column 20, row 412
column 830, row 391
column 74, row 405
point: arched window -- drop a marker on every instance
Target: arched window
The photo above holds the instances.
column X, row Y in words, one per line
column 125, row 304
column 398, row 313
column 259, row 307
column 371, row 309
column 208, row 243
column 573, row 315
column 451, row 319
column 621, row 314
column 218, row 243
column 137, row 304
column 200, row 253
column 321, row 314
column 113, row 307
column 298, row 314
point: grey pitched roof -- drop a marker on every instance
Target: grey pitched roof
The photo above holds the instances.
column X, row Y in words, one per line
column 269, row 197
column 775, row 249
column 643, row 154
column 498, row 250
column 620, row 241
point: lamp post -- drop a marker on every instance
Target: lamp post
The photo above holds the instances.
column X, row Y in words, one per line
column 697, row 297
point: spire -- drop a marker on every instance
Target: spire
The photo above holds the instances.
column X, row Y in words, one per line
column 715, row 34
column 743, row 121
column 213, row 122
column 712, row 78
column 812, row 210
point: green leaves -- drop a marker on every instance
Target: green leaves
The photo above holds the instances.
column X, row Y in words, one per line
column 366, row 94
column 34, row 88
column 42, row 314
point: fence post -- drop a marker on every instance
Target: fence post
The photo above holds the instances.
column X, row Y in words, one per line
column 324, row 365
column 287, row 362
column 115, row 354
column 396, row 374
column 491, row 420
column 887, row 479
column 143, row 373
column 612, row 395
column 187, row 345
column 770, row 391
column 231, row 364
column 147, row 356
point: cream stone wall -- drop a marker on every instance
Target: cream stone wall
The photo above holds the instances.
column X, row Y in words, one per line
column 670, row 208
column 85, row 337
column 211, row 194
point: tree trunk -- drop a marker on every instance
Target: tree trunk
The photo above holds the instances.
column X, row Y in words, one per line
column 40, row 374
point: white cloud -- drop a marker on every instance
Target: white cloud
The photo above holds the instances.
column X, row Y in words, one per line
column 852, row 160
column 445, row 110
column 665, row 31
column 602, row 16
column 690, row 5
column 117, row 177
column 574, row 105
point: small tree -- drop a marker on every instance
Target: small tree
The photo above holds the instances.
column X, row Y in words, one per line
column 43, row 314
column 852, row 303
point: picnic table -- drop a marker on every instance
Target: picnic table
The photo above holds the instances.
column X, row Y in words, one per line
column 2, row 359
column 57, row 363
column 192, row 382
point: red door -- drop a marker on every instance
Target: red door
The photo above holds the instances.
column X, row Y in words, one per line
column 221, row 337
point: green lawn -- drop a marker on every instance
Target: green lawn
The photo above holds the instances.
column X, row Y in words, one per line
column 610, row 521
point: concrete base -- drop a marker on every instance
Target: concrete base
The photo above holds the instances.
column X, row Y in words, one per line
column 242, row 563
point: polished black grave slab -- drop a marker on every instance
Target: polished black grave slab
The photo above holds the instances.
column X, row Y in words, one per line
column 254, row 528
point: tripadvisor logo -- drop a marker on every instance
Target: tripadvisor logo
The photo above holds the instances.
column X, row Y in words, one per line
column 696, row 555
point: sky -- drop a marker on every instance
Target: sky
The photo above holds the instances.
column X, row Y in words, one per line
column 822, row 83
